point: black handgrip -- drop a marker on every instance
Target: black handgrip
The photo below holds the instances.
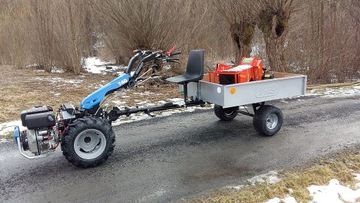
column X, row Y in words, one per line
column 175, row 53
column 171, row 60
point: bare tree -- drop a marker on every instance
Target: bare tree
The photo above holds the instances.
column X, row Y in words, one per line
column 241, row 24
column 316, row 37
column 149, row 24
column 271, row 16
column 12, row 34
column 273, row 21
column 41, row 41
column 322, row 42
column 353, row 8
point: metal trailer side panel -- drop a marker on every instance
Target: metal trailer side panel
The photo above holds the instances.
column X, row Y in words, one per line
column 206, row 91
column 248, row 93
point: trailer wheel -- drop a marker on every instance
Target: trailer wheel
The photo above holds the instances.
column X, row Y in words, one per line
column 268, row 120
column 88, row 142
column 226, row 114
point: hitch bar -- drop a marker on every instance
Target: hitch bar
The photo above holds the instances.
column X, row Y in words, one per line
column 115, row 113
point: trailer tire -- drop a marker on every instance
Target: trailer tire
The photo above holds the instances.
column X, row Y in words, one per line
column 225, row 114
column 268, row 120
column 88, row 142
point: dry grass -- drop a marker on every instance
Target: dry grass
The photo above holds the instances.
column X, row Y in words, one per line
column 21, row 89
column 321, row 89
column 334, row 85
column 294, row 182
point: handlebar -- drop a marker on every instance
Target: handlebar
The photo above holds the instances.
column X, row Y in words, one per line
column 148, row 55
column 144, row 56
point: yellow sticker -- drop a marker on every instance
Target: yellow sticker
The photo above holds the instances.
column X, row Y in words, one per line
column 232, row 90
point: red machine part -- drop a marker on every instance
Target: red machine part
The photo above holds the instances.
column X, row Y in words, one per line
column 249, row 69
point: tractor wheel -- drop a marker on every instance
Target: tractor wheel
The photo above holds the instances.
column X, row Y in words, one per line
column 268, row 120
column 88, row 142
column 226, row 114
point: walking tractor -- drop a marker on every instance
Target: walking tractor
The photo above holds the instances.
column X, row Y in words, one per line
column 85, row 133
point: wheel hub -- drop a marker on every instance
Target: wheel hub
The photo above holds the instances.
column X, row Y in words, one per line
column 272, row 121
column 87, row 139
column 90, row 144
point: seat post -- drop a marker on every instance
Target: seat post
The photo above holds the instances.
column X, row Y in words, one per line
column 185, row 92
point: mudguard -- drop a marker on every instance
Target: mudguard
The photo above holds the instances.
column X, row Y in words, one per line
column 96, row 97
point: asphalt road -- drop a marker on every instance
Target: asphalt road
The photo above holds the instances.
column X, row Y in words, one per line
column 166, row 159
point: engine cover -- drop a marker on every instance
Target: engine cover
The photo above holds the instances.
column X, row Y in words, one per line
column 38, row 117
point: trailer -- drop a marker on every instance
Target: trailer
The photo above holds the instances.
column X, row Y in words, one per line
column 228, row 98
column 85, row 132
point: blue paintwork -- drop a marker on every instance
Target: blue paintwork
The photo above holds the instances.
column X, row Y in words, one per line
column 96, row 97
column 16, row 133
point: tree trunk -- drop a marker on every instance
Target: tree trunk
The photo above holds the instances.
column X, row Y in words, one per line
column 274, row 26
column 275, row 51
column 242, row 34
column 355, row 70
column 75, row 56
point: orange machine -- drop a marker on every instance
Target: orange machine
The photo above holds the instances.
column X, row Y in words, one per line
column 249, row 69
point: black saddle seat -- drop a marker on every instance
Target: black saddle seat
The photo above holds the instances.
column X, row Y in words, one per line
column 194, row 69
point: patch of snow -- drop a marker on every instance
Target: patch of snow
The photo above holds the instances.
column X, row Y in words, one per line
column 149, row 197
column 2, row 140
column 274, row 200
column 146, row 93
column 32, row 65
column 336, row 91
column 140, row 102
column 57, row 70
column 348, row 91
column 334, row 192
column 235, row 187
column 118, row 103
column 178, row 101
column 357, row 176
column 162, row 102
column 287, row 199
column 98, row 66
column 270, row 177
column 139, row 117
column 313, row 93
column 60, row 80
column 6, row 128
column 54, row 69
column 283, row 101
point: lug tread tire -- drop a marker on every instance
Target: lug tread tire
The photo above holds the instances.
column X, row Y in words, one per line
column 260, row 119
column 67, row 145
column 224, row 115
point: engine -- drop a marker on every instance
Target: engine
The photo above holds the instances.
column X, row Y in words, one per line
column 41, row 134
column 43, row 129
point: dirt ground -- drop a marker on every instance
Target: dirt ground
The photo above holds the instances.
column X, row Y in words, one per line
column 21, row 89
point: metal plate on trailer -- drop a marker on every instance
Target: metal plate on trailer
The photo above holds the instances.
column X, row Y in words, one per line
column 289, row 85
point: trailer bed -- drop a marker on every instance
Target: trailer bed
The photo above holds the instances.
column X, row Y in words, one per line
column 283, row 85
